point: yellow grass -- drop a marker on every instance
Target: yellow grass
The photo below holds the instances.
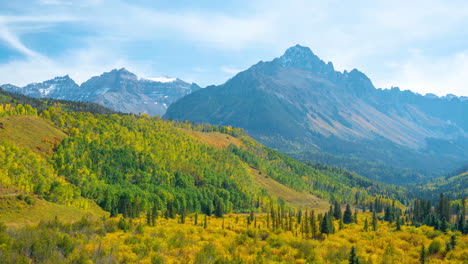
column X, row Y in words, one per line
column 215, row 139
column 292, row 196
column 30, row 132
column 14, row 212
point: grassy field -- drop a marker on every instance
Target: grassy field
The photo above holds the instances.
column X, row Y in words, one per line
column 298, row 199
column 30, row 132
column 17, row 212
column 215, row 139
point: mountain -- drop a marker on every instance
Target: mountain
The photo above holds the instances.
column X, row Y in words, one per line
column 58, row 88
column 119, row 90
column 297, row 102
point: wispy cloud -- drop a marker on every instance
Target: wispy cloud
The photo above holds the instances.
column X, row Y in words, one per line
column 370, row 36
column 425, row 74
column 14, row 42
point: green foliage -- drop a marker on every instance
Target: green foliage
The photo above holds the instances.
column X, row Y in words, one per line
column 435, row 246
column 127, row 163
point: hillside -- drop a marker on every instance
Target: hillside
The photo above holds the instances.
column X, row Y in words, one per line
column 298, row 103
column 30, row 132
column 132, row 165
column 455, row 183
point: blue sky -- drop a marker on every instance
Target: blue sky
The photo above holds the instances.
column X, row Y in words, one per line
column 421, row 45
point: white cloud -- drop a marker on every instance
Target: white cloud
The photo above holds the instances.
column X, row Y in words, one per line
column 54, row 2
column 14, row 42
column 424, row 74
column 80, row 64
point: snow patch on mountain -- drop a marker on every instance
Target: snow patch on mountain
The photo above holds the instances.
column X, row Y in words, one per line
column 161, row 79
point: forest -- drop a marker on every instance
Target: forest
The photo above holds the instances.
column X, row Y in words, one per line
column 178, row 192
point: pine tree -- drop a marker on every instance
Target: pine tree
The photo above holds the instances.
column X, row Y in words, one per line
column 353, row 258
column 374, row 222
column 348, row 215
column 422, row 256
column 355, row 217
column 219, row 207
column 330, row 224
column 442, row 208
column 444, row 225
column 313, row 224
column 398, row 224
column 461, row 223
column 337, row 210
column 366, row 225
column 325, row 225
column 453, row 241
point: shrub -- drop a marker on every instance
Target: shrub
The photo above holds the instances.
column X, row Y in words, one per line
column 435, row 246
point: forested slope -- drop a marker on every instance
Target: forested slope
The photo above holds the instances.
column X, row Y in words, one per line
column 133, row 165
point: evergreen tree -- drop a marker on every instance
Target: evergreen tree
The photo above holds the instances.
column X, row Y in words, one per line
column 313, row 224
column 461, row 223
column 453, row 241
column 444, row 225
column 337, row 210
column 374, row 221
column 325, row 227
column 353, row 258
column 422, row 255
column 219, row 207
column 442, row 208
column 348, row 215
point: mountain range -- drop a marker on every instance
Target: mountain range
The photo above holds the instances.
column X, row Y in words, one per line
column 300, row 105
column 297, row 102
column 119, row 90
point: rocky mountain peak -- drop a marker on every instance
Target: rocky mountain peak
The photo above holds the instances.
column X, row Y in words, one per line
column 303, row 58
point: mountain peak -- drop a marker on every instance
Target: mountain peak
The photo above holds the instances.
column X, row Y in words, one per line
column 122, row 73
column 297, row 53
column 63, row 78
column 301, row 57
